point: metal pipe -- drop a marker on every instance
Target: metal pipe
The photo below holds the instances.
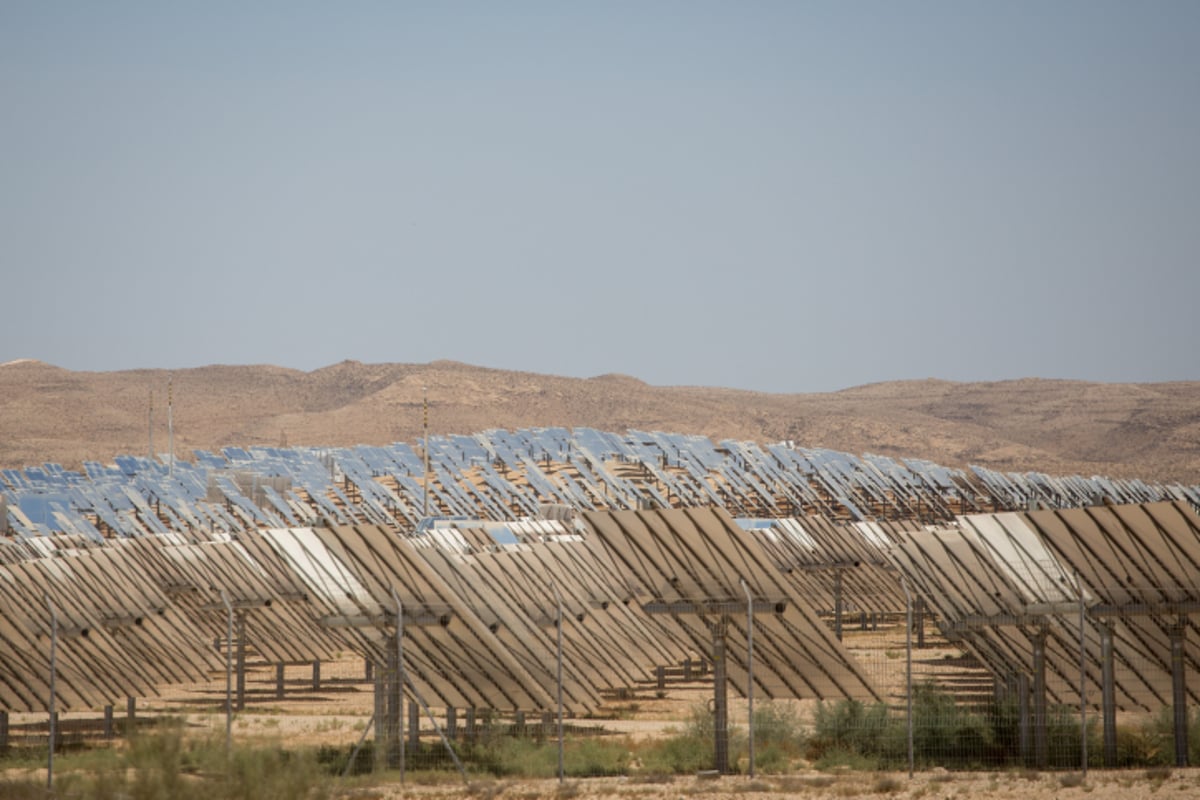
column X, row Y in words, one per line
column 1179, row 690
column 837, row 603
column 53, row 725
column 1040, row 741
column 908, row 618
column 358, row 747
column 720, row 698
column 442, row 734
column 399, row 674
column 425, row 434
column 402, row 679
column 559, row 625
column 1082, row 680
column 228, row 674
column 749, row 670
column 1108, row 694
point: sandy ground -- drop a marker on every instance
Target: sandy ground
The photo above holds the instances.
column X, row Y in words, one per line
column 338, row 712
column 1178, row 783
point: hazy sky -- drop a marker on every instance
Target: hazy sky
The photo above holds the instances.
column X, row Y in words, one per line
column 783, row 196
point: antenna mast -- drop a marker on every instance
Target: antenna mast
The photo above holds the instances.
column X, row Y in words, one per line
column 171, row 424
column 425, row 424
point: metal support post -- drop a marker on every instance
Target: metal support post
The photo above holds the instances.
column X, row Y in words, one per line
column 438, row 729
column 920, row 612
column 108, row 722
column 279, row 682
column 749, row 671
column 414, row 726
column 53, row 693
column 393, row 738
column 1023, row 729
column 451, row 723
column 1040, row 741
column 1108, row 695
column 399, row 680
column 379, row 758
column 908, row 694
column 241, row 660
column 1179, row 690
column 558, row 624
column 720, row 699
column 1083, row 748
column 228, row 674
column 837, row 603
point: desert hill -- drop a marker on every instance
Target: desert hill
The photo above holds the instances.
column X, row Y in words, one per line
column 49, row 414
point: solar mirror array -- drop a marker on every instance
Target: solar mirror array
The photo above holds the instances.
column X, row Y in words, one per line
column 130, row 580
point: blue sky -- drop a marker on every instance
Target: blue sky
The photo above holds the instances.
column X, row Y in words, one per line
column 780, row 196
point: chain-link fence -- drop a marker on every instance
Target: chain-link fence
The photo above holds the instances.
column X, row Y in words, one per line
column 939, row 704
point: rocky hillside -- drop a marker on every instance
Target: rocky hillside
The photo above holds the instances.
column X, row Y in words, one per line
column 1150, row 431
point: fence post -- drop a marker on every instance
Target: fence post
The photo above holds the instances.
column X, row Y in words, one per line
column 108, row 722
column 279, row 681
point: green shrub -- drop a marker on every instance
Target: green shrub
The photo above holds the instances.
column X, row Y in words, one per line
column 945, row 734
column 779, row 737
column 679, row 754
column 1158, row 737
column 690, row 749
column 165, row 766
column 851, row 727
column 503, row 755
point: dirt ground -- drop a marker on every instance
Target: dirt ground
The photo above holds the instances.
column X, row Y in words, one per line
column 1098, row 785
column 337, row 713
